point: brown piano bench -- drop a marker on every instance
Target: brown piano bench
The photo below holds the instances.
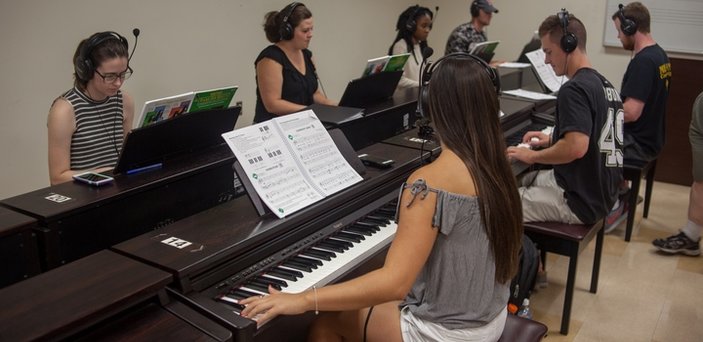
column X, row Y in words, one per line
column 518, row 329
column 568, row 240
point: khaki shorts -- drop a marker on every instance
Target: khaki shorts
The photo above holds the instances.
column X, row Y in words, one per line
column 695, row 135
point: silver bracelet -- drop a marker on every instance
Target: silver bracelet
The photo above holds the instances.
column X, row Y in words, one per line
column 314, row 289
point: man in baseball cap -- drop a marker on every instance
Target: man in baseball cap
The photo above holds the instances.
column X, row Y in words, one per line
column 466, row 35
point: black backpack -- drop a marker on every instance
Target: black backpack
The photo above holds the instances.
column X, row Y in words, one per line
column 524, row 281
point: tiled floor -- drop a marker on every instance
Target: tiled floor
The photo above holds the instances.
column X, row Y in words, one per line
column 642, row 295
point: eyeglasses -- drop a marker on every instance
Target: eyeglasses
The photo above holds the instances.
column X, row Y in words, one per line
column 112, row 77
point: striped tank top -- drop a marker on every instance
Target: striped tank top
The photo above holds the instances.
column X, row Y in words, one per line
column 97, row 140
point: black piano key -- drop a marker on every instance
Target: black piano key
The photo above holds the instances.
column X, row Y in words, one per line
column 256, row 286
column 296, row 265
column 330, row 247
column 368, row 225
column 311, row 261
column 377, row 218
column 355, row 238
column 358, row 230
column 304, row 261
column 343, row 244
column 320, row 254
column 285, row 273
column 263, row 284
column 386, row 212
column 280, row 282
column 240, row 293
column 236, row 307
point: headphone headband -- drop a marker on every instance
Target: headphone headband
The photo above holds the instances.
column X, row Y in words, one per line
column 84, row 66
column 426, row 74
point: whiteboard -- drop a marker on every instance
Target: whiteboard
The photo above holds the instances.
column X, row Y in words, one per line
column 676, row 25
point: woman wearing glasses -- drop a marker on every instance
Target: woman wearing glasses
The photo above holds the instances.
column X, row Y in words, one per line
column 87, row 124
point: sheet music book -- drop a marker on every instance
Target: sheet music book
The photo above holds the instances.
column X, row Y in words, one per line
column 291, row 161
column 487, row 47
column 529, row 94
column 385, row 63
column 165, row 108
column 194, row 101
column 545, row 72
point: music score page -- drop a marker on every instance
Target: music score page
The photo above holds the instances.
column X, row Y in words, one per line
column 291, row 161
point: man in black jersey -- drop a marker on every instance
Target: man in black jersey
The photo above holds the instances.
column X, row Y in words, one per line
column 645, row 85
column 585, row 147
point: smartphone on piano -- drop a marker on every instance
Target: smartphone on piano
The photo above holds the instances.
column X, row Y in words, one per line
column 375, row 161
column 93, row 178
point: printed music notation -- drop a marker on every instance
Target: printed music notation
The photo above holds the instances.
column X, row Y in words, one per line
column 291, row 161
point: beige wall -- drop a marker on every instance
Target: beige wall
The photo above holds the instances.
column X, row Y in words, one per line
column 191, row 45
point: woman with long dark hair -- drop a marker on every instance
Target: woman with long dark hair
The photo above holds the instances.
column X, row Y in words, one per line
column 447, row 273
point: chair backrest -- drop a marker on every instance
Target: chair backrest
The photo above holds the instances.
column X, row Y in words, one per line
column 518, row 329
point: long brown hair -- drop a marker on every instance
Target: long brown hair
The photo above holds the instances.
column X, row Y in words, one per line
column 464, row 107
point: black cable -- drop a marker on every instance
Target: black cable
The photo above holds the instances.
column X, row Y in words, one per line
column 366, row 324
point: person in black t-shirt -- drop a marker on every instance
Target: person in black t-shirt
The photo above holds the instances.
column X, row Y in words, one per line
column 286, row 81
column 585, row 147
column 645, row 85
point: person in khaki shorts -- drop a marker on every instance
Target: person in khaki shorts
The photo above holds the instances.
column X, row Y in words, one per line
column 687, row 241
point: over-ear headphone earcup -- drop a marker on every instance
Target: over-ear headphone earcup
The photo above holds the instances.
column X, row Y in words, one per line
column 410, row 25
column 568, row 42
column 286, row 31
column 627, row 25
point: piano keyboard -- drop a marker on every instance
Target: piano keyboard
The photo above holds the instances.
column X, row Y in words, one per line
column 321, row 260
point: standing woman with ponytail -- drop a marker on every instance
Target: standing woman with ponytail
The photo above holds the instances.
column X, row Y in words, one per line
column 413, row 26
column 286, row 81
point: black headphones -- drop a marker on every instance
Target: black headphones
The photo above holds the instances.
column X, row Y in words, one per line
column 474, row 9
column 627, row 25
column 286, row 30
column 426, row 131
column 568, row 41
column 84, row 67
column 411, row 24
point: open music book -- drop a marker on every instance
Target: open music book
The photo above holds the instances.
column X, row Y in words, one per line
column 545, row 72
column 291, row 161
column 194, row 101
column 385, row 63
column 487, row 47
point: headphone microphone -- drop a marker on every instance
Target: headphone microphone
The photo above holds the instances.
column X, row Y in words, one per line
column 135, row 32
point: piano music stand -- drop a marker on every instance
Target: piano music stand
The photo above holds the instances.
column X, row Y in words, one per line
column 344, row 147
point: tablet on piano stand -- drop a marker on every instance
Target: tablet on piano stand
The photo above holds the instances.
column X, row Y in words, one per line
column 344, row 147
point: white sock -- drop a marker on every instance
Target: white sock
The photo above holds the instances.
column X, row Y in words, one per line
column 615, row 206
column 692, row 230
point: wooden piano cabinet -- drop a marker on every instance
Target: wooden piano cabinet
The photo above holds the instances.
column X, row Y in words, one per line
column 95, row 218
column 104, row 296
column 19, row 256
